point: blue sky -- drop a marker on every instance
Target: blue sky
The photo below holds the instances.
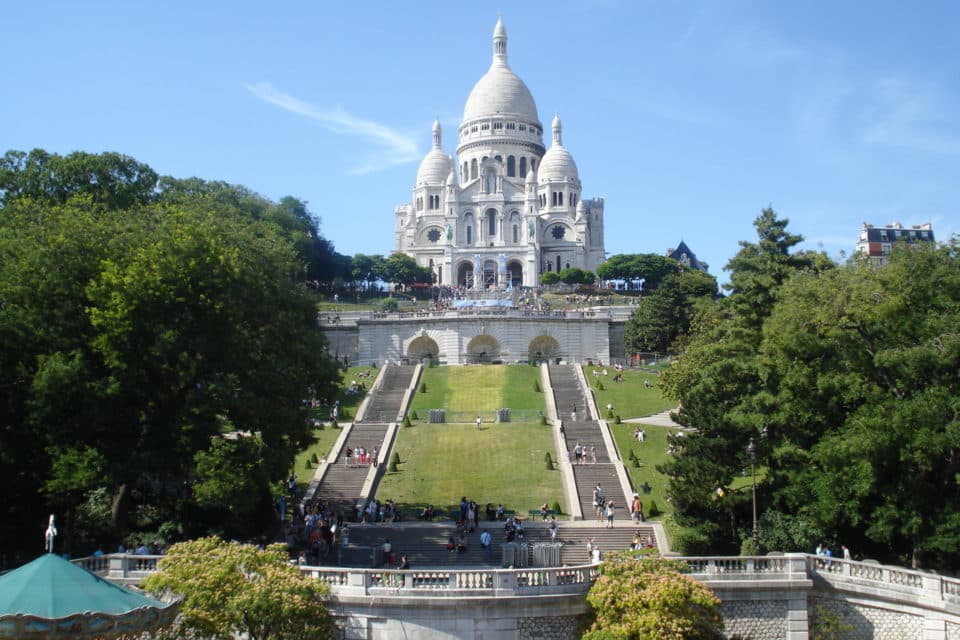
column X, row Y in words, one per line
column 688, row 117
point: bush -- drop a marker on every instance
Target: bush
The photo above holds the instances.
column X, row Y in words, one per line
column 414, row 415
column 556, row 508
column 600, row 386
column 610, row 413
column 395, row 458
column 406, row 421
column 333, row 424
column 548, row 464
column 747, row 548
column 536, row 386
column 543, row 420
column 393, row 466
column 616, row 420
column 307, row 465
column 423, row 387
column 636, row 463
column 389, row 304
column 547, row 458
column 653, row 509
column 632, row 456
column 314, row 459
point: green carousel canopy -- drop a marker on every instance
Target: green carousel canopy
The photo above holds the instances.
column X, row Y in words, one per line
column 53, row 598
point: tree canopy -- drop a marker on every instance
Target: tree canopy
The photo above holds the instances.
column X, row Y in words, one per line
column 649, row 267
column 135, row 331
column 231, row 589
column 649, row 598
column 845, row 378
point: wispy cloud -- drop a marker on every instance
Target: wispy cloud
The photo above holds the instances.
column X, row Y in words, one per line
column 397, row 148
column 911, row 114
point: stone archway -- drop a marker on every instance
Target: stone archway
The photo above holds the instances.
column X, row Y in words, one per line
column 515, row 273
column 423, row 348
column 483, row 349
column 465, row 274
column 543, row 349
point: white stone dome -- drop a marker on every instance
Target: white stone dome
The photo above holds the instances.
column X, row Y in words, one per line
column 500, row 92
column 436, row 165
column 557, row 163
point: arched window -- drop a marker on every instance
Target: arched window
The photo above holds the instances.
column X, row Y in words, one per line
column 498, row 159
column 554, row 200
column 523, row 167
column 465, row 172
column 558, row 263
column 473, row 169
column 469, row 235
column 491, row 223
column 560, row 197
column 533, row 164
column 511, row 166
column 516, row 234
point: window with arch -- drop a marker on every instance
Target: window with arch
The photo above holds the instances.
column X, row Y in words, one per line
column 473, row 169
column 554, row 199
column 511, row 166
column 497, row 126
column 485, row 126
column 511, row 125
column 533, row 164
column 465, row 172
column 498, row 159
column 516, row 234
column 523, row 167
column 491, row 223
column 469, row 235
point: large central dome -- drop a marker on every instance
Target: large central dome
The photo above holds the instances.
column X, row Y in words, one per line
column 500, row 92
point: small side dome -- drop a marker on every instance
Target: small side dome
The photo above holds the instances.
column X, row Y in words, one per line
column 436, row 165
column 452, row 176
column 557, row 163
column 532, row 176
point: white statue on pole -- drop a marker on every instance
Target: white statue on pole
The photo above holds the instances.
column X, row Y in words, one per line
column 50, row 535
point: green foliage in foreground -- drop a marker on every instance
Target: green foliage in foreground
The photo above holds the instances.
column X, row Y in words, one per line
column 231, row 589
column 502, row 463
column 648, row 598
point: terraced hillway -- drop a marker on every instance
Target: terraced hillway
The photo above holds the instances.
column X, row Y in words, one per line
column 569, row 395
column 342, row 484
column 425, row 543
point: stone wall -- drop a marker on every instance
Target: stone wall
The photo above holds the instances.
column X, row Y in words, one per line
column 555, row 628
column 755, row 618
column 859, row 621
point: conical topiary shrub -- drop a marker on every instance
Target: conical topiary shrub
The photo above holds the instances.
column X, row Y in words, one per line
column 423, row 387
column 314, row 459
column 406, row 421
column 536, row 386
column 556, row 508
column 653, row 509
column 548, row 462
column 414, row 416
column 307, row 465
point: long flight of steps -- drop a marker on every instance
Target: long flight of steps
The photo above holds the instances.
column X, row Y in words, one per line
column 384, row 404
column 569, row 395
column 425, row 544
column 343, row 482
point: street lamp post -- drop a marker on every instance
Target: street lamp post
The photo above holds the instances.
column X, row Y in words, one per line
column 752, row 454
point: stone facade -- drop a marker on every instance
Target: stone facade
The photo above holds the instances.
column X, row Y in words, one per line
column 507, row 209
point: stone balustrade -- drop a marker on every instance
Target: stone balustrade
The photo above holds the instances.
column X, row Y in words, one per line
column 763, row 596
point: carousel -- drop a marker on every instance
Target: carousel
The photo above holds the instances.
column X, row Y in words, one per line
column 51, row 598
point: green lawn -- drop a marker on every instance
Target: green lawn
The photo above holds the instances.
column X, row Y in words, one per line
column 348, row 401
column 650, row 453
column 630, row 399
column 479, row 390
column 323, row 441
column 502, row 463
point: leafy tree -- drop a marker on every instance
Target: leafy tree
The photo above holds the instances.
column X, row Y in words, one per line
column 573, row 275
column 664, row 315
column 366, row 269
column 549, row 277
column 650, row 598
column 862, row 365
column 129, row 335
column 231, row 589
column 649, row 267
column 719, row 382
column 403, row 269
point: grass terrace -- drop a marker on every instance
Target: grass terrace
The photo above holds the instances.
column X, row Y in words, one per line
column 500, row 463
column 630, row 398
column 468, row 391
column 323, row 441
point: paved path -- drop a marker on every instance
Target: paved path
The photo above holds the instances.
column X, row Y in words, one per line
column 661, row 419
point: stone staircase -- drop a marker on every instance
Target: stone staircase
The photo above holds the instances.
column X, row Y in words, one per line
column 343, row 482
column 385, row 401
column 567, row 392
column 425, row 543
